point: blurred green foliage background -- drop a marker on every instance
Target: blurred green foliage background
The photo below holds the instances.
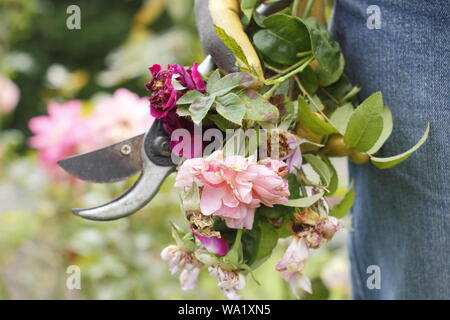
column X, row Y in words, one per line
column 39, row 237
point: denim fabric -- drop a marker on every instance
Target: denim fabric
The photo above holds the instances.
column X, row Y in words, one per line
column 401, row 216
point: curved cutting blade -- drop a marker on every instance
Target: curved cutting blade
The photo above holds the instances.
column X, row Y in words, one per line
column 110, row 164
column 143, row 190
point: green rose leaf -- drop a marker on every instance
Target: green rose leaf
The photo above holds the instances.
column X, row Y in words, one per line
column 320, row 167
column 311, row 121
column 234, row 47
column 258, row 108
column 366, row 124
column 309, row 80
column 384, row 163
column 327, row 72
column 306, row 201
column 220, row 122
column 183, row 110
column 294, row 188
column 212, row 79
column 229, row 82
column 259, row 243
column 326, row 51
column 388, row 125
column 200, row 107
column 334, row 182
column 341, row 209
column 189, row 97
column 247, row 8
column 283, row 38
column 341, row 116
column 275, row 212
column 340, row 88
column 231, row 107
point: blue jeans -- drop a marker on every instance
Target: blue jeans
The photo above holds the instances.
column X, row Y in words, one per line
column 401, row 215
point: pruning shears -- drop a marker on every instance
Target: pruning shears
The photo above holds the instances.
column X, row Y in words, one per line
column 147, row 153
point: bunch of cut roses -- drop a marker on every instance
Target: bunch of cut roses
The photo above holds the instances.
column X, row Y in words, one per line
column 242, row 145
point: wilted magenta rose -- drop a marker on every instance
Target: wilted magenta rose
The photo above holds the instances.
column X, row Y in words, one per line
column 167, row 86
column 163, row 95
column 189, row 78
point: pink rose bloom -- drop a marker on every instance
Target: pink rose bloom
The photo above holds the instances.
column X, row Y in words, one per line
column 268, row 186
column 61, row 133
column 9, row 95
column 233, row 187
column 120, row 116
column 291, row 266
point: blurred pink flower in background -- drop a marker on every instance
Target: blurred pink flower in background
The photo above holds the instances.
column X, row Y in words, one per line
column 66, row 131
column 233, row 187
column 120, row 116
column 61, row 133
column 9, row 95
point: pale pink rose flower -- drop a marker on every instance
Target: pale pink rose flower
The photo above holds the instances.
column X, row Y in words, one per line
column 61, row 133
column 229, row 281
column 313, row 238
column 189, row 278
column 120, row 116
column 329, row 227
column 187, row 173
column 9, row 95
column 178, row 258
column 185, row 262
column 291, row 266
column 233, row 187
column 277, row 166
column 269, row 187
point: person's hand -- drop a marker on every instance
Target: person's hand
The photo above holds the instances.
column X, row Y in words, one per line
column 226, row 15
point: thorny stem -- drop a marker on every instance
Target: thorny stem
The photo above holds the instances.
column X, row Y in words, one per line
column 330, row 96
column 296, row 8
column 283, row 72
column 304, row 53
column 304, row 63
column 312, row 101
column 308, row 8
column 270, row 92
